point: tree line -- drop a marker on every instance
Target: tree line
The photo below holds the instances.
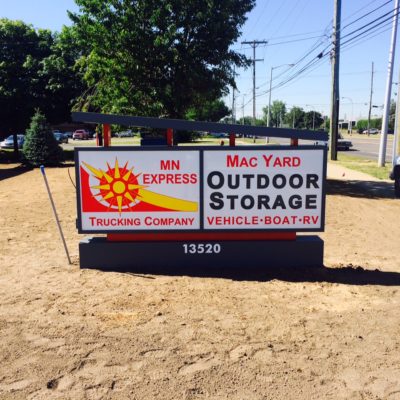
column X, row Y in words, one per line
column 143, row 57
column 280, row 116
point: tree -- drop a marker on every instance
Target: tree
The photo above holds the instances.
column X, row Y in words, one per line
column 61, row 76
column 22, row 49
column 327, row 124
column 246, row 120
column 37, row 71
column 40, row 146
column 295, row 118
column 277, row 114
column 158, row 58
column 313, row 120
column 212, row 111
column 362, row 124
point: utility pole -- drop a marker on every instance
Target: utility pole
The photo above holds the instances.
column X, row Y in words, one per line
column 370, row 99
column 254, row 44
column 386, row 110
column 335, row 80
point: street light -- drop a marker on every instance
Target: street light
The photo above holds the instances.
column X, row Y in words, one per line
column 352, row 109
column 270, row 90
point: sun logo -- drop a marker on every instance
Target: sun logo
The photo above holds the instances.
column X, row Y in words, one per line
column 119, row 190
column 118, row 187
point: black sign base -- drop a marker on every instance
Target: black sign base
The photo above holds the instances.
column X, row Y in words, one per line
column 199, row 258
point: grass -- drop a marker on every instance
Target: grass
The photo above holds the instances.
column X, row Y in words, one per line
column 363, row 165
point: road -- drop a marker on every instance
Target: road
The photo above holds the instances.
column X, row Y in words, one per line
column 363, row 146
column 368, row 147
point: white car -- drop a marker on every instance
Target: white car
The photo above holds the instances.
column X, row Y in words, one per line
column 8, row 143
column 372, row 131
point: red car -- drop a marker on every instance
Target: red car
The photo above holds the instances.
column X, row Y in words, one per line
column 80, row 134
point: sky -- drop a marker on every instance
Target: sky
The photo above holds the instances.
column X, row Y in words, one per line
column 305, row 27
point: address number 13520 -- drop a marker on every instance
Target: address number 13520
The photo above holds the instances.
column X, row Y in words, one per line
column 202, row 248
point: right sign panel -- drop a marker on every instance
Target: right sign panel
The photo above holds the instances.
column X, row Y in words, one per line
column 272, row 189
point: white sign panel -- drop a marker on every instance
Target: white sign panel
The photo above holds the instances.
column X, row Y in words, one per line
column 263, row 189
column 138, row 190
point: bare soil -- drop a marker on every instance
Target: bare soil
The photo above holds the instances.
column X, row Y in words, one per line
column 325, row 333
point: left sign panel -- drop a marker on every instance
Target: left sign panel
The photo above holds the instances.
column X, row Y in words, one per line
column 130, row 191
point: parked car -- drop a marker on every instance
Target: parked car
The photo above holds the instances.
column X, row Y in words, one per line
column 342, row 144
column 372, row 131
column 60, row 137
column 80, row 134
column 127, row 133
column 69, row 134
column 8, row 143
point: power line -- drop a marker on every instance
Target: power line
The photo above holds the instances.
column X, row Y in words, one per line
column 292, row 8
column 364, row 35
column 372, row 22
column 293, row 41
column 276, row 13
column 363, row 8
column 365, row 15
column 314, row 61
column 324, row 34
column 370, row 35
column 296, row 34
column 323, row 54
column 259, row 16
column 313, row 48
column 372, row 28
column 312, row 66
column 366, row 38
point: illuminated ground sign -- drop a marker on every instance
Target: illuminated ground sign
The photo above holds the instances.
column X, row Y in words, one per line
column 215, row 189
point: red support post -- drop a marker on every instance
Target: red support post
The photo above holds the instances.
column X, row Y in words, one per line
column 170, row 137
column 107, row 135
column 232, row 139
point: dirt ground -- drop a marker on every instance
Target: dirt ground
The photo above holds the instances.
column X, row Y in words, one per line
column 327, row 333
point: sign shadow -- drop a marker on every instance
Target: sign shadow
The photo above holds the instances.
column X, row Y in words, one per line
column 348, row 275
column 364, row 189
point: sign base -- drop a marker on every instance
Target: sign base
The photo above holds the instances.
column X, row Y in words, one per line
column 199, row 258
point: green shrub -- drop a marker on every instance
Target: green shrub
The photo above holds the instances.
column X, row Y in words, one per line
column 40, row 146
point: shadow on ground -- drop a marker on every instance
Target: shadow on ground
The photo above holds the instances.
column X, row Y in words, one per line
column 13, row 171
column 348, row 275
column 365, row 189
